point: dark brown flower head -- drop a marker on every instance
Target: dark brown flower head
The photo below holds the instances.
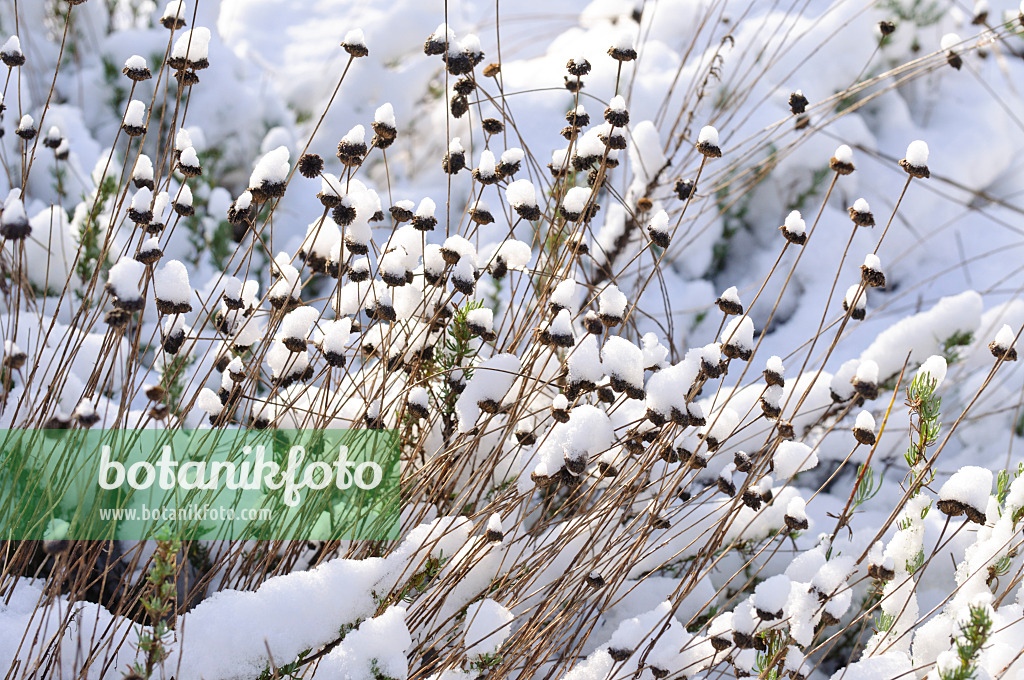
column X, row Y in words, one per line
column 578, row 66
column 886, row 28
column 574, row 85
column 310, row 165
column 492, row 126
column 797, row 103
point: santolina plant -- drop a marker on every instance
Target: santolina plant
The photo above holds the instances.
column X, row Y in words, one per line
column 639, row 433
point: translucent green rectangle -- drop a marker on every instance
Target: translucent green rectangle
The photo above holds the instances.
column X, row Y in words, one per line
column 199, row 484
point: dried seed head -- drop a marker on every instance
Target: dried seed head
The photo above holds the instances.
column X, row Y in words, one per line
column 623, row 49
column 916, row 161
column 173, row 16
column 578, row 66
column 950, row 43
column 685, row 188
column 707, row 142
column 26, row 128
column 310, row 165
column 11, row 54
column 860, row 213
column 492, row 126
column 871, row 272
column 797, row 103
column 864, row 429
column 355, row 43
column 616, row 113
column 136, row 69
column 886, row 28
column 492, row 70
column 856, row 299
column 1002, row 346
column 842, row 160
column 795, row 229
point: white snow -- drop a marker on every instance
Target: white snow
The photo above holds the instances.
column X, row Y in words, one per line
column 856, row 293
column 124, row 277
column 796, row 508
column 135, row 63
column 356, row 135
column 482, row 317
column 730, row 294
column 143, row 168
column 192, row 45
column 950, row 42
column 492, row 379
column 623, row 359
column 970, row 485
column 612, row 302
column 171, row 284
column 708, row 135
column 795, row 223
column 617, row 103
column 792, row 457
column 337, row 335
column 521, row 193
column 426, row 208
column 576, row 199
column 564, row 295
column 659, row 222
column 935, row 367
column 298, row 323
column 271, row 168
column 512, row 156
column 175, row 9
column 917, row 154
column 189, row 158
column 11, row 46
column 867, row 371
column 1005, row 337
column 488, row 625
column 486, row 165
column 865, row 421
column 354, row 37
column 739, row 332
column 772, row 593
column 843, row 154
column 385, row 113
column 142, row 200
column 585, row 360
column 774, row 365
column 862, row 206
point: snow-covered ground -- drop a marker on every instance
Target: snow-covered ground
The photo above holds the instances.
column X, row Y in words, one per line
column 725, row 285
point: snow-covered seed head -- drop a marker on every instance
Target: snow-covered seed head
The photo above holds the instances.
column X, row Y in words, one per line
column 950, row 44
column 797, row 103
column 738, row 338
column 14, row 224
column 150, row 251
column 352, row 147
column 53, row 138
column 623, row 49
column 611, row 306
column 658, row 229
column 578, row 66
column 707, row 142
column 355, row 44
column 966, row 493
column 871, row 274
column 725, row 482
column 510, row 162
column 771, row 402
column 616, row 114
column 11, row 54
column 578, row 204
column 172, row 289
column 855, row 302
column 865, row 379
column 864, row 429
column 188, row 163
column 270, row 174
column 174, row 333
column 424, row 219
column 481, row 212
column 438, row 41
column 560, row 408
column 14, row 356
column 173, row 16
column 134, row 122
column 774, row 372
column 384, row 127
column 26, row 128
column 480, row 322
column 455, row 159
column 794, row 228
column 485, row 172
column 191, row 50
column 522, row 196
column 1002, row 345
column 796, row 515
column 860, row 213
column 464, row 275
column 183, row 201
column 684, row 188
column 729, row 301
column 916, row 160
column 142, row 174
column 842, row 160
